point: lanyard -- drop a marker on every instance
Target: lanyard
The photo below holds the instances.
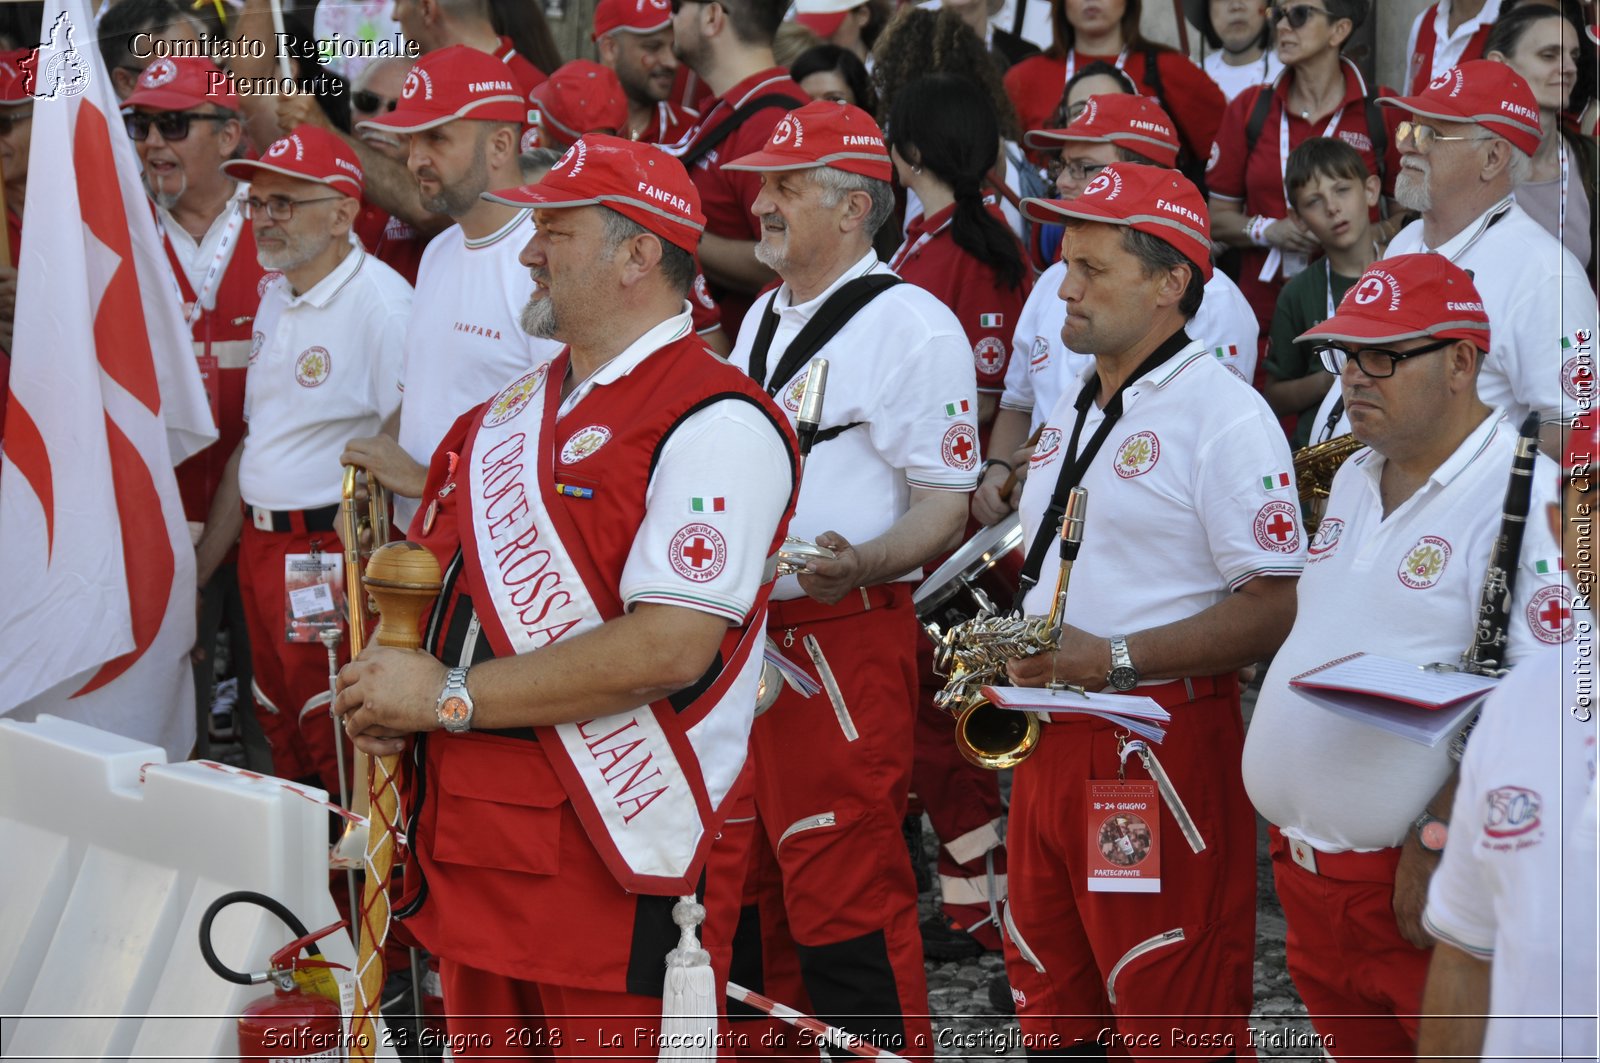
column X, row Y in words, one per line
column 1561, row 213
column 909, row 248
column 1274, row 263
column 1329, row 268
column 1072, row 62
column 206, row 297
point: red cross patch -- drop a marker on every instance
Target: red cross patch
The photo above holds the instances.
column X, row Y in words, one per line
column 1549, row 614
column 698, row 553
column 1277, row 527
column 961, row 447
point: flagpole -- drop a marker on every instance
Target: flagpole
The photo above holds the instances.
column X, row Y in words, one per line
column 277, row 39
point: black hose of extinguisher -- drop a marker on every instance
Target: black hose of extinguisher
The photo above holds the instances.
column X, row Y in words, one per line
column 260, row 900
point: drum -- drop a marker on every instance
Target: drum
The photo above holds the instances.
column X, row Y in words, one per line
column 980, row 577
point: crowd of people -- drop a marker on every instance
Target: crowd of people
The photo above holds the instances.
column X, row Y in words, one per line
column 573, row 316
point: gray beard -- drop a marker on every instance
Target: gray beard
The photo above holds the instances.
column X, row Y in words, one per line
column 774, row 258
column 538, row 318
column 1411, row 191
column 168, row 200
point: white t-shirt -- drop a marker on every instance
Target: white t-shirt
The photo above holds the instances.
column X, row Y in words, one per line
column 1538, row 301
column 1448, row 47
column 1178, row 515
column 1042, row 366
column 1404, row 586
column 1517, row 885
column 1233, row 80
column 901, row 371
column 742, row 500
column 464, row 341
column 323, row 369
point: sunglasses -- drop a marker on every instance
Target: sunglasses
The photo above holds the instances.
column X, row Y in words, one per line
column 1375, row 362
column 1298, row 15
column 173, row 125
column 371, row 102
column 9, row 122
column 1424, row 137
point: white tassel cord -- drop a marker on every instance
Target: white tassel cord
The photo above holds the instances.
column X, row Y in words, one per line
column 689, row 1003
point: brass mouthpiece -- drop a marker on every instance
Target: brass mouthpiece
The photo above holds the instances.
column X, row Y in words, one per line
column 810, row 415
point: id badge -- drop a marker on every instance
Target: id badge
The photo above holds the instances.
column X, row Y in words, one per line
column 1124, row 837
column 313, row 586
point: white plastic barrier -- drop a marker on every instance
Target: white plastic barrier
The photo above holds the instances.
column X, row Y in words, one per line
column 103, row 882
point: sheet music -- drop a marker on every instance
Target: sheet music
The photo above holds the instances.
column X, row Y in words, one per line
column 1394, row 680
column 1139, row 714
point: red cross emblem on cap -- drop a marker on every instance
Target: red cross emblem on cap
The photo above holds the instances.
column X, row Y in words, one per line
column 1369, row 291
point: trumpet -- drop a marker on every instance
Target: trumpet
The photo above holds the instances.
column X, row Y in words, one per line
column 352, row 844
column 974, row 654
column 795, row 553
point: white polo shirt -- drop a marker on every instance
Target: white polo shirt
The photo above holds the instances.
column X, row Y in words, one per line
column 323, row 370
column 901, row 371
column 1538, row 300
column 741, row 498
column 1517, row 884
column 1448, row 47
column 465, row 340
column 1179, row 516
column 1233, row 80
column 1042, row 366
column 1405, row 586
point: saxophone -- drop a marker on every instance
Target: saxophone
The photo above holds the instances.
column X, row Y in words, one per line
column 1314, row 469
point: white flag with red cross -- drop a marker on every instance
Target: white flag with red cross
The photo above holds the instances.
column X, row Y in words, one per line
column 98, row 617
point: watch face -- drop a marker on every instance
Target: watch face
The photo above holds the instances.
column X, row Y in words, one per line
column 454, row 710
column 1434, row 834
column 1124, row 678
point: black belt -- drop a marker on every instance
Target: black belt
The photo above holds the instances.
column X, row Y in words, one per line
column 286, row 520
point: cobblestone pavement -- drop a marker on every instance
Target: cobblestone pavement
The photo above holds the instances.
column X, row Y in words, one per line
column 966, row 1025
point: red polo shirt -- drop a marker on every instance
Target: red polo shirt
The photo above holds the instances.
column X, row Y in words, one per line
column 726, row 196
column 1256, row 179
column 670, row 126
column 931, row 259
column 1190, row 98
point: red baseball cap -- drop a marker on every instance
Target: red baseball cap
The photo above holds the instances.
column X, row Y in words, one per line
column 181, row 82
column 631, row 16
column 1149, row 199
column 1135, row 122
column 822, row 133
column 310, row 153
column 824, row 17
column 1484, row 93
column 13, row 80
column 638, row 181
column 1408, row 297
column 453, row 83
column 580, row 97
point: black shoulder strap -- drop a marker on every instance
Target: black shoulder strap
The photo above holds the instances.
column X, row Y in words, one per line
column 830, row 317
column 707, row 143
column 1258, row 118
column 1152, row 74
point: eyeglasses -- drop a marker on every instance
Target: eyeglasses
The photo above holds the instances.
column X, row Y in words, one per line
column 1424, row 137
column 174, row 125
column 1298, row 15
column 281, row 208
column 371, row 102
column 1375, row 362
column 8, row 121
column 1078, row 172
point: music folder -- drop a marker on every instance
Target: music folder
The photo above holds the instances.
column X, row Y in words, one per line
column 1139, row 714
column 1419, row 703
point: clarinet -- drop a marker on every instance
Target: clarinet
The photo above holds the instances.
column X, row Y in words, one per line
column 1487, row 653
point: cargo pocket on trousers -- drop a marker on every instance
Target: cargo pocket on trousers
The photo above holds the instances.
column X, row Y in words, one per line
column 499, row 806
column 1146, row 951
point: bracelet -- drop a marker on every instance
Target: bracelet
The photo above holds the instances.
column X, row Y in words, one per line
column 1006, row 465
column 1256, row 229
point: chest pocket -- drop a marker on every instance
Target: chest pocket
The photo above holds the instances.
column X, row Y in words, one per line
column 499, row 805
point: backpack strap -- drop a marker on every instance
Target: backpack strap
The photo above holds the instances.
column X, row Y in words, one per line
column 706, row 144
column 1258, row 118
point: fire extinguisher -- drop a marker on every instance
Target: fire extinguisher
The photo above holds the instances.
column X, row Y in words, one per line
column 302, row 1018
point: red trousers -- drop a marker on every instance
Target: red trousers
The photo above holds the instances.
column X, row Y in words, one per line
column 1360, row 980
column 834, row 925
column 490, row 1016
column 288, row 674
column 963, row 804
column 1151, row 974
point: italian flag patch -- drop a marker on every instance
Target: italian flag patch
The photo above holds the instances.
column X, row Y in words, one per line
column 1230, row 351
column 957, row 408
column 708, row 505
column 1579, row 340
column 991, row 320
column 1549, row 566
column 1275, row 481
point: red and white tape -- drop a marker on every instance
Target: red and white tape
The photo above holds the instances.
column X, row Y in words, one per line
column 228, row 769
column 830, row 1035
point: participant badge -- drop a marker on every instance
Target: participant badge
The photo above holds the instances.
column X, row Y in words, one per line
column 1124, row 836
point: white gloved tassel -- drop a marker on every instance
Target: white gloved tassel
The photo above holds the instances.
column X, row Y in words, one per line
column 688, row 1004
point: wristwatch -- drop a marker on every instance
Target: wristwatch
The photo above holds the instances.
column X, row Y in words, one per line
column 1123, row 675
column 455, row 704
column 1432, row 831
